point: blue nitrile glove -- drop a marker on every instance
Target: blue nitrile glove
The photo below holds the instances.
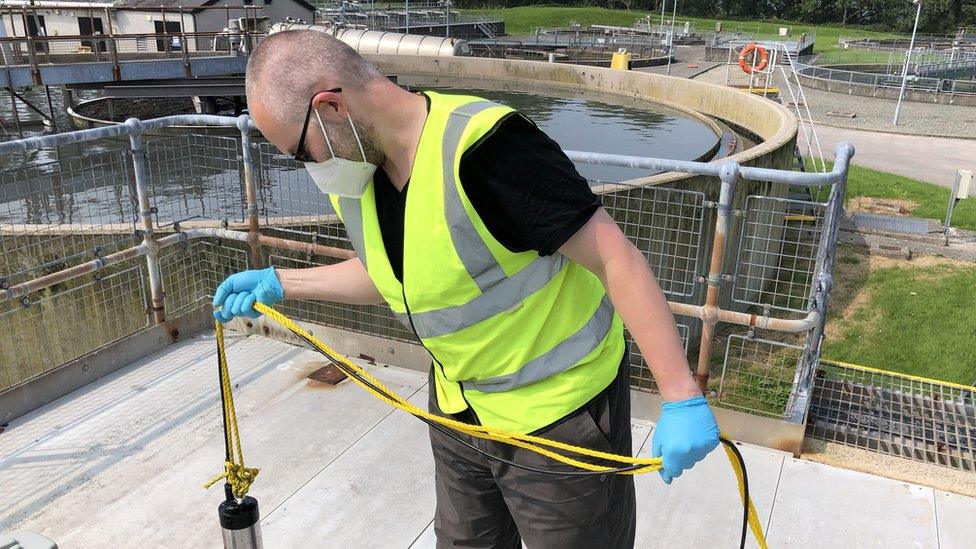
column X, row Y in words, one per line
column 684, row 435
column 237, row 293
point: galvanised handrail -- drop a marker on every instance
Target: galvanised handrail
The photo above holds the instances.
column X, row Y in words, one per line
column 710, row 313
column 877, row 80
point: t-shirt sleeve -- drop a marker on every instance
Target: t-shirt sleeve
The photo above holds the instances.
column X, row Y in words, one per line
column 526, row 190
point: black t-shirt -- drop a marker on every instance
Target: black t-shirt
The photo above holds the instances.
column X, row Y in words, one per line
column 524, row 188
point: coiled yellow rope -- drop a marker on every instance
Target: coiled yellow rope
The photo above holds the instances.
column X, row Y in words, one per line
column 241, row 477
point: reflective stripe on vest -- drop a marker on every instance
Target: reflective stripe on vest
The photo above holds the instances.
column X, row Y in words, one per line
column 558, row 359
column 352, row 218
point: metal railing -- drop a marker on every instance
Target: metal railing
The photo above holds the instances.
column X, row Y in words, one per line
column 402, row 16
column 36, row 49
column 138, row 230
column 879, row 81
column 792, row 45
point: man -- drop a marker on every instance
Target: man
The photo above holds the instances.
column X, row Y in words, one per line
column 475, row 228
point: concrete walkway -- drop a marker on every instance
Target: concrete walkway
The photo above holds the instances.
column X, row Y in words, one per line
column 120, row 464
column 930, row 159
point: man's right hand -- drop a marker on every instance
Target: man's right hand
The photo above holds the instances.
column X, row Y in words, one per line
column 237, row 294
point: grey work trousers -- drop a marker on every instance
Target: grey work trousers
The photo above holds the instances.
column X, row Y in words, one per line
column 482, row 502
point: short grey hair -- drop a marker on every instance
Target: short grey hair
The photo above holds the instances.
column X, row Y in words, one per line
column 285, row 69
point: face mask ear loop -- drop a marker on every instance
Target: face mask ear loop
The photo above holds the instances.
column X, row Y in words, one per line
column 356, row 134
column 326, row 134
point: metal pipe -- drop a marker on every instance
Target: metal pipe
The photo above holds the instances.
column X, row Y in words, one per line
column 908, row 56
column 50, row 108
column 145, row 214
column 762, row 322
column 710, row 312
column 13, row 109
column 64, row 275
column 368, row 41
column 674, row 14
column 46, row 281
column 250, row 193
column 116, row 68
column 306, row 247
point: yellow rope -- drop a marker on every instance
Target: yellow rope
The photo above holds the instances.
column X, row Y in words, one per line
column 235, row 473
column 241, row 477
column 754, row 523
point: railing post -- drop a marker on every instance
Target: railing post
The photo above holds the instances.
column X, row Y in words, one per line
column 31, row 54
column 187, row 70
column 250, row 193
column 710, row 312
column 145, row 216
column 116, row 69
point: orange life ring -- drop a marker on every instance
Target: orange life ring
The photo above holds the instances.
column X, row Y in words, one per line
column 763, row 58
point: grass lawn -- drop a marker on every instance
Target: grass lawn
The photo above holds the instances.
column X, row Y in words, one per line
column 917, row 198
column 915, row 317
column 522, row 20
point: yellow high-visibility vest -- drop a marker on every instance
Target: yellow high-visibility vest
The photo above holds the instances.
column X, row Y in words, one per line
column 520, row 338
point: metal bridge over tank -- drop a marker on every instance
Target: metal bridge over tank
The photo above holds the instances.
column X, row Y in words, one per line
column 110, row 54
column 107, row 264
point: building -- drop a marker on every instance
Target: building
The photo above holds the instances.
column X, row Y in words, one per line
column 64, row 28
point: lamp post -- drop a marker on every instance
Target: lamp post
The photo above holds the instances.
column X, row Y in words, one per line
column 663, row 3
column 904, row 71
column 674, row 14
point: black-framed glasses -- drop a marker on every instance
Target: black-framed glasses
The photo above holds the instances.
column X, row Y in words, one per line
column 301, row 155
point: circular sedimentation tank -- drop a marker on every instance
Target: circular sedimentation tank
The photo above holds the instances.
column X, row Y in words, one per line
column 765, row 132
column 622, row 112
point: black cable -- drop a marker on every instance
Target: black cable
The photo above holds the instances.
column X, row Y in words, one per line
column 742, row 464
column 745, row 489
column 223, row 404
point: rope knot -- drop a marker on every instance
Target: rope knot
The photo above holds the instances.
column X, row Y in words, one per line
column 238, row 476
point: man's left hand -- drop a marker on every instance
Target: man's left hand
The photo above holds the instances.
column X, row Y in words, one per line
column 685, row 433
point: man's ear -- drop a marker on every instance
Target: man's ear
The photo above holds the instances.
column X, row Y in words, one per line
column 330, row 105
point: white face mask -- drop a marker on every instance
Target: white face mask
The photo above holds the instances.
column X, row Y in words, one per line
column 339, row 176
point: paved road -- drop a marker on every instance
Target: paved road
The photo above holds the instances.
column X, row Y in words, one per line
column 931, row 159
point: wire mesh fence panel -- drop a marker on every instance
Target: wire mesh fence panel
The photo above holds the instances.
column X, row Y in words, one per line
column 288, row 199
column 777, row 256
column 58, row 213
column 640, row 373
column 757, row 375
column 666, row 226
column 191, row 273
column 196, row 177
column 61, row 326
column 375, row 320
column 915, row 418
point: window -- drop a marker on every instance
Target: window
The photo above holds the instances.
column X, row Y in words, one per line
column 36, row 27
column 92, row 26
column 169, row 43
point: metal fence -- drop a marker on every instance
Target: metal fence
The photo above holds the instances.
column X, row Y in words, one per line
column 897, row 414
column 840, row 77
column 845, row 78
column 100, row 246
